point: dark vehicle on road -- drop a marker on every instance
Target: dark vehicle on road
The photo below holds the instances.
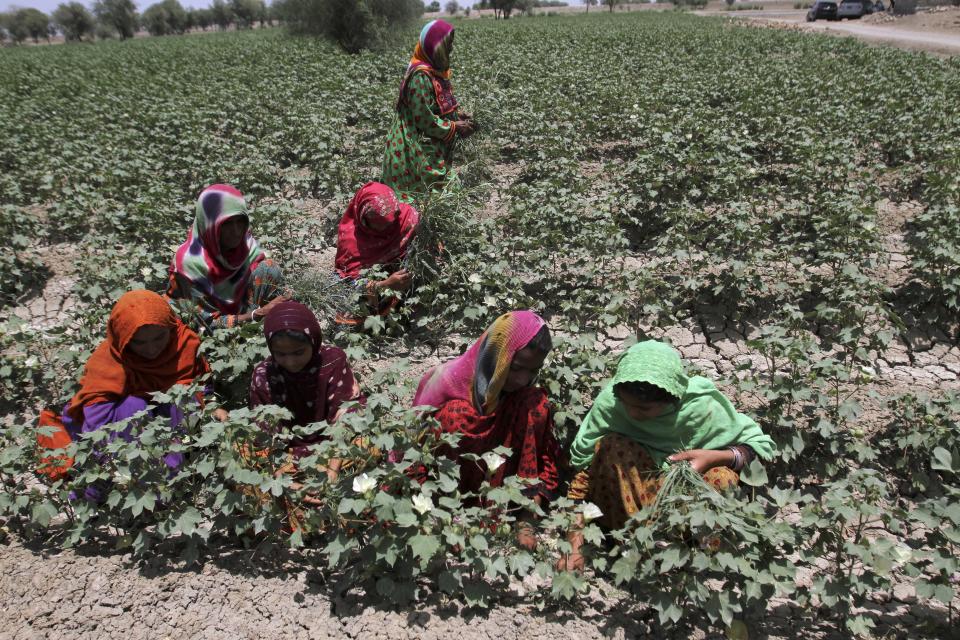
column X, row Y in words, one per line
column 824, row 9
column 851, row 9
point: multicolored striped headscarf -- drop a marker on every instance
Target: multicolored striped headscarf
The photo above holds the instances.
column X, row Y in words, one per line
column 220, row 277
column 479, row 374
column 432, row 54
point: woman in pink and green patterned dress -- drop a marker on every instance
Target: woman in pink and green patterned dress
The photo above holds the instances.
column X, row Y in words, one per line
column 419, row 148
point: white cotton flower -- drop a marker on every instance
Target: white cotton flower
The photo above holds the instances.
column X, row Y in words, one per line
column 31, row 362
column 493, row 460
column 422, row 504
column 363, row 483
column 901, row 553
column 591, row 511
column 475, row 278
column 146, row 271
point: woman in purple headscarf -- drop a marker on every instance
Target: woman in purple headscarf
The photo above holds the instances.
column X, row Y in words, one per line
column 304, row 375
column 419, row 149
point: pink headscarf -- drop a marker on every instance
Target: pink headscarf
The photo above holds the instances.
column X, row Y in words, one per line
column 479, row 374
column 432, row 56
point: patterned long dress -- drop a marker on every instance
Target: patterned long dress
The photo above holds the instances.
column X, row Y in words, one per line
column 419, row 150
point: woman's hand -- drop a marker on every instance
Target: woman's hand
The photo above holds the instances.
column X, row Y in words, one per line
column 221, row 414
column 702, row 460
column 465, row 128
column 398, row 281
column 333, row 469
column 526, row 535
column 258, row 314
column 573, row 561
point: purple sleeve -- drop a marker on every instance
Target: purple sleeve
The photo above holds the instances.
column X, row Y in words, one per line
column 98, row 414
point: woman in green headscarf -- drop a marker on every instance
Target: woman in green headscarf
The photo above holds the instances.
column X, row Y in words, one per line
column 649, row 415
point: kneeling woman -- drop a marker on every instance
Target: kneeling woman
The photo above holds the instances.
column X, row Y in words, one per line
column 147, row 349
column 309, row 378
column 220, row 270
column 376, row 230
column 651, row 414
column 487, row 396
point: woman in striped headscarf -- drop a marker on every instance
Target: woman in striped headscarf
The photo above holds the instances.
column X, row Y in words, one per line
column 419, row 149
column 488, row 396
column 220, row 269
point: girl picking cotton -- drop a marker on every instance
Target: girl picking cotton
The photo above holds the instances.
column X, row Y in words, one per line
column 220, row 273
column 650, row 415
column 488, row 396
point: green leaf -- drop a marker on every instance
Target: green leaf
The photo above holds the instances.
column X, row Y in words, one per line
column 479, row 542
column 754, row 474
column 943, row 460
column 408, row 519
column 860, row 625
column 424, row 546
column 188, row 520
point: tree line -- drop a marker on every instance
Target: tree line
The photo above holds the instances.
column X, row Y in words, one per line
column 120, row 19
column 353, row 24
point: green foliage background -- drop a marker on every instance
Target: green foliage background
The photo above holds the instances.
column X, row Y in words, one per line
column 668, row 170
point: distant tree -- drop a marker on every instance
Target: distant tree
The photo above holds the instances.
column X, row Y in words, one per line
column 525, row 6
column 246, row 12
column 154, row 20
column 590, row 3
column 466, row 11
column 434, row 6
column 202, row 18
column 353, row 24
column 222, row 14
column 164, row 18
column 177, row 16
column 502, row 8
column 452, row 7
column 32, row 23
column 190, row 22
column 119, row 15
column 611, row 3
column 14, row 27
column 263, row 14
column 483, row 4
column 4, row 34
column 74, row 20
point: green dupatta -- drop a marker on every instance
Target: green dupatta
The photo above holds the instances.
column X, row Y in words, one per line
column 704, row 419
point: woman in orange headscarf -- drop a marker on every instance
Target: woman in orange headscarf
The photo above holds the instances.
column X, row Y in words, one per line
column 147, row 349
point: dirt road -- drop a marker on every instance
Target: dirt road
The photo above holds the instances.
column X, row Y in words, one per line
column 911, row 32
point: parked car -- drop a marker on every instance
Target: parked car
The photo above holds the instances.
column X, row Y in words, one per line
column 851, row 9
column 822, row 9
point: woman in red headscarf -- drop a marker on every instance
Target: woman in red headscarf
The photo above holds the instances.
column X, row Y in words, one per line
column 376, row 230
column 419, row 151
column 147, row 349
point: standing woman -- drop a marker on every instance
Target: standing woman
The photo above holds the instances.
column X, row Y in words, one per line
column 221, row 270
column 419, row 152
column 488, row 396
column 375, row 229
